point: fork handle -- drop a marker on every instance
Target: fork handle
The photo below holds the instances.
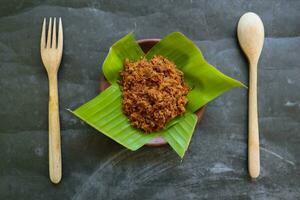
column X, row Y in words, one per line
column 55, row 169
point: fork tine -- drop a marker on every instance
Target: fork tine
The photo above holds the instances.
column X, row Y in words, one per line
column 60, row 35
column 43, row 37
column 54, row 34
column 49, row 34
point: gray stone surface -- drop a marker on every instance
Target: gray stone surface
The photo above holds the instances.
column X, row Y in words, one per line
column 95, row 167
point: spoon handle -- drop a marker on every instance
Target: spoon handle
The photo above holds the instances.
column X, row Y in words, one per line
column 253, row 134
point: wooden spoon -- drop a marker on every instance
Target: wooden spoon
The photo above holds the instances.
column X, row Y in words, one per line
column 251, row 38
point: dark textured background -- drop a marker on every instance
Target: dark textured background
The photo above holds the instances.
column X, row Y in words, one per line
column 95, row 167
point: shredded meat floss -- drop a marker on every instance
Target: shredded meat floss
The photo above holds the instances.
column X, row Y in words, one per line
column 154, row 92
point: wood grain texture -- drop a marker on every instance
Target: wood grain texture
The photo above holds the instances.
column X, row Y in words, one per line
column 253, row 132
column 51, row 53
column 55, row 170
column 251, row 38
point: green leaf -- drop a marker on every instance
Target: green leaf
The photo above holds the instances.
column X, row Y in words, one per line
column 205, row 81
column 104, row 113
column 180, row 134
column 126, row 47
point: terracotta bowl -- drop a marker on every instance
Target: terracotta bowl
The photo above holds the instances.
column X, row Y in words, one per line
column 146, row 45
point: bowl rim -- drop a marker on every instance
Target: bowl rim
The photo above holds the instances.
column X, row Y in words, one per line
column 148, row 40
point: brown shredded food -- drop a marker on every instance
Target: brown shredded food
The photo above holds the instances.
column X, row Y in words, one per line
column 154, row 92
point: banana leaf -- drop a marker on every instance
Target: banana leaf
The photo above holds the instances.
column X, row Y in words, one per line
column 104, row 112
column 124, row 48
column 179, row 135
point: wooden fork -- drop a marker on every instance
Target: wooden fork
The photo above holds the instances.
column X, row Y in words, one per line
column 51, row 53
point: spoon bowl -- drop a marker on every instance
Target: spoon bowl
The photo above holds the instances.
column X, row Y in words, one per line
column 251, row 35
